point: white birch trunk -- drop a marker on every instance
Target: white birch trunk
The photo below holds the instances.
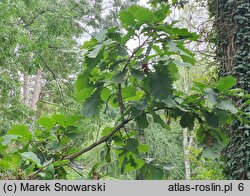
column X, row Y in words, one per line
column 186, row 154
column 186, row 143
column 37, row 90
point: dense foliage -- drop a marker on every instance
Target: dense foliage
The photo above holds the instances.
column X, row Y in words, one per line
column 131, row 107
column 232, row 40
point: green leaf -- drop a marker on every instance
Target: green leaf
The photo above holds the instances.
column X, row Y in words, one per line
column 5, row 164
column 128, row 36
column 108, row 156
column 60, row 163
column 83, row 93
column 135, row 16
column 113, row 34
column 82, row 87
column 141, row 14
column 156, row 173
column 20, row 130
column 101, row 35
column 72, row 120
column 127, row 19
column 95, row 51
column 212, row 119
column 128, row 92
column 198, row 86
column 133, row 162
column 132, row 145
column 105, row 93
column 173, row 70
column 161, row 13
column 119, row 78
column 106, row 131
column 142, row 148
column 71, row 136
column 158, row 50
column 188, row 59
column 175, row 33
column 142, row 121
column 124, row 162
column 211, row 96
column 210, row 152
column 183, row 33
column 71, row 129
column 60, row 119
column 138, row 74
column 10, row 161
column 121, row 51
column 227, row 105
column 226, row 83
column 224, row 116
column 172, row 47
column 187, row 121
column 158, row 119
column 7, row 139
column 92, row 105
column 46, row 122
column 50, row 172
column 159, row 82
column 30, row 156
column 89, row 44
column 137, row 107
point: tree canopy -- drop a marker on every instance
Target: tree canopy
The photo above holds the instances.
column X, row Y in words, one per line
column 111, row 99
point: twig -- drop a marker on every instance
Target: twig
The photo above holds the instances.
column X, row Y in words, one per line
column 32, row 176
column 35, row 17
column 102, row 140
column 107, row 104
column 120, row 101
column 54, row 76
column 133, row 54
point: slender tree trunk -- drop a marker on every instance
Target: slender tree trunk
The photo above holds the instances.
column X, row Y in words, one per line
column 186, row 139
column 37, row 90
column 26, row 89
column 186, row 154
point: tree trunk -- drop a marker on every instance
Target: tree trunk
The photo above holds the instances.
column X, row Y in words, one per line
column 186, row 139
column 186, row 154
column 26, row 89
column 232, row 31
column 37, row 90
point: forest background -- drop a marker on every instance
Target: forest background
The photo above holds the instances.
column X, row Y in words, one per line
column 112, row 89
